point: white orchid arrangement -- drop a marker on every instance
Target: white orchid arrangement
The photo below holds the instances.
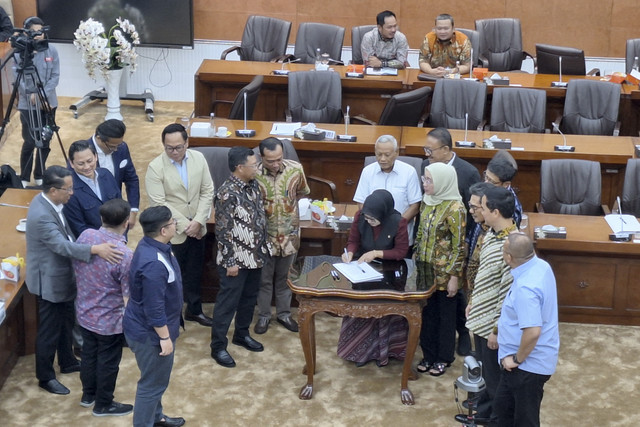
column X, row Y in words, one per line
column 102, row 52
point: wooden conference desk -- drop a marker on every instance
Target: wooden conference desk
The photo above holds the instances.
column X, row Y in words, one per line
column 597, row 279
column 342, row 162
column 217, row 79
column 18, row 331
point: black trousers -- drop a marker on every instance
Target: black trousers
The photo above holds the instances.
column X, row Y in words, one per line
column 55, row 324
column 237, row 296
column 190, row 256
column 101, row 355
column 438, row 333
column 518, row 398
column 461, row 318
column 491, row 375
column 29, row 149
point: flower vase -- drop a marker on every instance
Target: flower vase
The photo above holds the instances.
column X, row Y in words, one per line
column 113, row 94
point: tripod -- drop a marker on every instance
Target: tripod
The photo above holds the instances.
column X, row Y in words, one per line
column 40, row 116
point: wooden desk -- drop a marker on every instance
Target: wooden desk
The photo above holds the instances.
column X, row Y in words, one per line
column 18, row 331
column 597, row 279
column 316, row 292
column 221, row 80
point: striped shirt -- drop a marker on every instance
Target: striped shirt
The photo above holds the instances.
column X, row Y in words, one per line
column 492, row 282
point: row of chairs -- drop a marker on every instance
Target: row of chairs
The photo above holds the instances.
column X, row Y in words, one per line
column 591, row 106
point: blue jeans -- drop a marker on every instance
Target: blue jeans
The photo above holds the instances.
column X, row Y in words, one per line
column 155, row 371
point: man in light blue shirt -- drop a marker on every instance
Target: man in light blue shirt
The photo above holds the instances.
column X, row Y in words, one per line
column 528, row 338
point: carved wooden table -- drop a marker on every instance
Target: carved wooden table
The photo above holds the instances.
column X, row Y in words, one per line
column 324, row 289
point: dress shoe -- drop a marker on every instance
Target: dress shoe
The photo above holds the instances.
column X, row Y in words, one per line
column 248, row 343
column 464, row 344
column 116, row 409
column 261, row 325
column 200, row 318
column 223, row 358
column 289, row 323
column 70, row 369
column 464, row 419
column 53, row 386
column 169, row 422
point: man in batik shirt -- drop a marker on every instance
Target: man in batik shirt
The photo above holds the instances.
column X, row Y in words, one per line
column 445, row 48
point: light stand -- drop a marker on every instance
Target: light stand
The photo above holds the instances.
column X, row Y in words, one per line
column 471, row 381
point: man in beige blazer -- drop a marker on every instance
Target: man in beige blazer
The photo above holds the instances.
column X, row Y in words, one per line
column 179, row 178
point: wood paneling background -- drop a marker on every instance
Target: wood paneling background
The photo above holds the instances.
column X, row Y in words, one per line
column 600, row 27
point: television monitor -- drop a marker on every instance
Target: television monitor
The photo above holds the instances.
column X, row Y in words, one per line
column 160, row 23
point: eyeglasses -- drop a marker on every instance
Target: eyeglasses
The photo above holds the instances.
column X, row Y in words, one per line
column 111, row 147
column 489, row 180
column 67, row 189
column 173, row 222
column 474, row 207
column 180, row 147
column 429, row 151
column 426, row 180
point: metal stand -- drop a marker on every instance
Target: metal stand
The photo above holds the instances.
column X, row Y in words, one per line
column 101, row 94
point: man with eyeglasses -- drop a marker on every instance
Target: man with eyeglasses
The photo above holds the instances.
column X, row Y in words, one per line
column 50, row 247
column 243, row 248
column 501, row 170
column 113, row 155
column 282, row 183
column 439, row 149
column 179, row 178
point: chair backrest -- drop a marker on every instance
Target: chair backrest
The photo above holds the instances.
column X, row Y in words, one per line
column 572, row 60
column 453, row 98
column 500, row 41
column 218, row 162
column 590, row 107
column 416, row 162
column 288, row 151
column 570, row 186
column 631, row 188
column 405, row 109
column 474, row 38
column 356, row 42
column 252, row 90
column 264, row 38
column 315, row 96
column 312, row 35
column 633, row 50
column 518, row 110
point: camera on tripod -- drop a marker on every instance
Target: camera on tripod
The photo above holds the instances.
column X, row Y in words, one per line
column 25, row 40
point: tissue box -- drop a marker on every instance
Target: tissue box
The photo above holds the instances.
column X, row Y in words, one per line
column 344, row 224
column 499, row 144
column 10, row 269
column 200, row 130
column 317, row 214
column 559, row 233
column 480, row 73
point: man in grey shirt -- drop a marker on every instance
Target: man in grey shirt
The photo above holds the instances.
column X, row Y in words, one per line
column 385, row 46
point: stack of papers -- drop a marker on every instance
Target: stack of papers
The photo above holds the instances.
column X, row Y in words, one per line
column 358, row 273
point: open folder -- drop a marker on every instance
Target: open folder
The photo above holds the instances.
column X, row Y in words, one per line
column 358, row 273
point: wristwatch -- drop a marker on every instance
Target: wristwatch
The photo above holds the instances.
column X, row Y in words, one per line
column 515, row 359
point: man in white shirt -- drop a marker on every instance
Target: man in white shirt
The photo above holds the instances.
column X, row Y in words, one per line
column 397, row 177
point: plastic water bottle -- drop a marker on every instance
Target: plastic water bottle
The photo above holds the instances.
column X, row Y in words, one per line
column 635, row 64
column 447, row 72
column 318, row 59
column 457, row 74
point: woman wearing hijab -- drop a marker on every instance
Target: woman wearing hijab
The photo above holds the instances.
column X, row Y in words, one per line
column 439, row 251
column 378, row 231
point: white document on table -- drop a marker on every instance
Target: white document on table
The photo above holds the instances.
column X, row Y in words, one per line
column 358, row 273
column 284, row 128
column 382, row 71
column 623, row 223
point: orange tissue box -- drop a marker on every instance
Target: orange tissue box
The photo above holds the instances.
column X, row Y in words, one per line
column 617, row 78
column 480, row 73
column 355, row 68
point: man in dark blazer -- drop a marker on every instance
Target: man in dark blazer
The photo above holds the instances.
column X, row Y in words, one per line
column 439, row 148
column 92, row 186
column 50, row 247
column 113, row 155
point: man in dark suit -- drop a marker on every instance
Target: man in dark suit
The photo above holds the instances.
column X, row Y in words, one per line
column 50, row 247
column 439, row 148
column 92, row 186
column 113, row 155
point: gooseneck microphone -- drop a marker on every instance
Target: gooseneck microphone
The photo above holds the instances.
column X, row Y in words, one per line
column 245, row 133
column 564, row 146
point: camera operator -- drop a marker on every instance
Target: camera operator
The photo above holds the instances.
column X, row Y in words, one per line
column 47, row 65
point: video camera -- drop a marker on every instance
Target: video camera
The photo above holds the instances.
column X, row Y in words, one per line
column 24, row 41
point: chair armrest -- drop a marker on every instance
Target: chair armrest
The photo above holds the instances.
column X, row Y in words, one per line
column 360, row 118
column 423, row 120
column 594, row 72
column 525, row 54
column 606, row 209
column 335, row 62
column 484, row 61
column 287, row 115
column 228, row 51
column 329, row 183
column 616, row 130
column 539, row 207
column 217, row 102
column 482, row 125
column 283, row 58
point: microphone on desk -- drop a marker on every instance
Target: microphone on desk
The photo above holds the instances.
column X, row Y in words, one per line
column 620, row 236
column 564, row 146
column 466, row 142
column 559, row 83
column 282, row 71
column 346, row 137
column 245, row 133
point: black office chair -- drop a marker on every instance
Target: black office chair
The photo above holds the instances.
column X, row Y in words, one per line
column 453, row 98
column 571, row 186
column 402, row 109
column 314, row 96
column 500, row 41
column 474, row 38
column 518, row 110
column 632, row 51
column 237, row 105
column 264, row 39
column 573, row 63
column 312, row 35
column 218, row 161
column 416, row 162
column 631, row 188
column 356, row 42
column 590, row 108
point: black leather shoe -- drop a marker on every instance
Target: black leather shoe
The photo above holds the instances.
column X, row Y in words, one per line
column 200, row 318
column 289, row 323
column 248, row 343
column 223, row 358
column 71, row 368
column 464, row 419
column 464, row 344
column 169, row 422
column 53, row 386
column 261, row 325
